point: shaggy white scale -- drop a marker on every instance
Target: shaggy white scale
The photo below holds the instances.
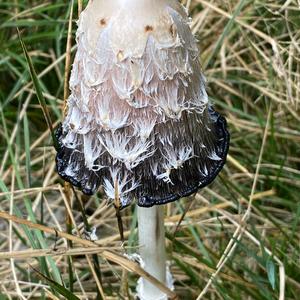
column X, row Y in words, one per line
column 138, row 115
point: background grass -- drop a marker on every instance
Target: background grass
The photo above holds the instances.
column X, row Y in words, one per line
column 250, row 52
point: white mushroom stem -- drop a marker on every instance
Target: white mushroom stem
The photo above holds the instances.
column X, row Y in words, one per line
column 152, row 250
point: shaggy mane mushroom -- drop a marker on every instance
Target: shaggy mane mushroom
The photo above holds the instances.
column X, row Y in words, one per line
column 139, row 122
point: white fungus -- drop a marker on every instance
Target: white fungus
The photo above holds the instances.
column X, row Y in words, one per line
column 138, row 114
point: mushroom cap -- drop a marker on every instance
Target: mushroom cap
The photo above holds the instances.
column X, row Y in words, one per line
column 139, row 122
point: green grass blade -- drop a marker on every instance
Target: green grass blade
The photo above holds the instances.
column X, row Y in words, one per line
column 39, row 92
column 60, row 289
column 27, row 149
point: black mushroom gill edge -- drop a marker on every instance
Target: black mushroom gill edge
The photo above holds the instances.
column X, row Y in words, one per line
column 145, row 200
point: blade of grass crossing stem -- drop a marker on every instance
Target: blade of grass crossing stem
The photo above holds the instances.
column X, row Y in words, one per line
column 66, row 92
column 225, row 33
column 39, row 92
